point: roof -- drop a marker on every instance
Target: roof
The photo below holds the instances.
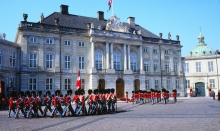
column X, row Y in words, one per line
column 75, row 21
column 8, row 43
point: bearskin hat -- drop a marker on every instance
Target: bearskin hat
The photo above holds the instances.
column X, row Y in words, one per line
column 82, row 91
column 152, row 90
column 105, row 91
column 76, row 92
column 39, row 93
column 52, row 96
column 33, row 93
column 69, row 92
column 57, row 92
column 112, row 90
column 100, row 91
column 132, row 91
column 90, row 91
column 44, row 96
column 95, row 91
column 48, row 93
column 61, row 95
column 174, row 90
column 163, row 90
column 126, row 92
column 109, row 90
column 21, row 93
column 27, row 93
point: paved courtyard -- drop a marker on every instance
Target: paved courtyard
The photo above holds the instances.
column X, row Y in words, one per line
column 188, row 114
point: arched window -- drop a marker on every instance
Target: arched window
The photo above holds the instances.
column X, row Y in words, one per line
column 116, row 61
column 133, row 62
column 98, row 60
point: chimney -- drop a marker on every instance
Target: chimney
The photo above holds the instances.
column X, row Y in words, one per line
column 64, row 9
column 100, row 15
column 131, row 21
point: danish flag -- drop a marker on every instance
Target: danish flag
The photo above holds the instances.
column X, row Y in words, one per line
column 78, row 81
column 109, row 4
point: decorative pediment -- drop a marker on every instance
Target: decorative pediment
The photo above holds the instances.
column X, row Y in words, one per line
column 115, row 24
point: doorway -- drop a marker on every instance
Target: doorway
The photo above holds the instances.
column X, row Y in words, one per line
column 200, row 88
column 101, row 84
column 120, row 88
column 136, row 84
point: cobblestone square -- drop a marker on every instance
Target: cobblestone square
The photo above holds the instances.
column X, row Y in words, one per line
column 187, row 114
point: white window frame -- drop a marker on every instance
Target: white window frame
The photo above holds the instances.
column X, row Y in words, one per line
column 145, row 50
column 67, row 62
column 198, row 66
column 147, row 84
column 98, row 60
column 49, row 61
column 33, row 61
column 67, row 43
column 166, row 52
column 48, row 41
column 133, row 60
column 146, row 66
column 177, row 83
column 186, row 67
column 175, row 67
column 49, row 84
column 167, row 67
column 155, row 66
column 212, row 83
column 32, row 84
column 81, row 44
column 117, row 61
column 33, row 39
column 67, row 84
column 168, row 84
column 81, row 62
column 155, row 51
column 1, row 52
column 210, row 66
column 12, row 59
column 187, row 82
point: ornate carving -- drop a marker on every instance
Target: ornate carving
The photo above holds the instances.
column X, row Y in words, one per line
column 161, row 35
column 42, row 18
column 169, row 36
column 57, row 21
column 25, row 16
column 115, row 24
column 32, row 47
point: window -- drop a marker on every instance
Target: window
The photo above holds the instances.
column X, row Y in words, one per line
column 175, row 67
column 155, row 66
column 147, row 84
column 166, row 52
column 98, row 60
column 168, row 84
column 67, row 84
column 117, row 61
column 81, row 62
column 33, row 61
column 67, row 42
column 212, row 83
column 133, row 62
column 12, row 59
column 0, row 57
column 210, row 65
column 33, row 39
column 48, row 41
column 198, row 66
column 174, row 52
column 145, row 50
column 156, row 84
column 83, row 83
column 187, row 83
column 167, row 67
column 81, row 44
column 32, row 83
column 49, row 84
column 146, row 66
column 177, row 84
column 49, row 61
column 67, row 62
column 155, row 51
column 186, row 67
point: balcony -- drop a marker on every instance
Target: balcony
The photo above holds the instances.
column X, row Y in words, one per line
column 136, row 71
column 119, row 71
column 101, row 71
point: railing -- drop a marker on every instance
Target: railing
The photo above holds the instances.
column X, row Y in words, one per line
column 102, row 71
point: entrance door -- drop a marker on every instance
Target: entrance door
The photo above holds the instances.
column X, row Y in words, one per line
column 136, row 85
column 201, row 89
column 120, row 88
column 101, row 84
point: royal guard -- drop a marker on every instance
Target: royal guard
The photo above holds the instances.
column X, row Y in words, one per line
column 47, row 103
column 148, row 96
column 26, row 105
column 100, row 101
column 126, row 97
column 164, row 96
column 139, row 96
column 210, row 91
column 95, row 101
column 159, row 95
column 191, row 92
column 108, row 100
column 174, row 95
column 152, row 96
column 68, row 105
column 76, row 99
column 104, row 101
column 38, row 102
column 89, row 101
column 113, row 100
column 81, row 103
column 145, row 97
column 20, row 105
column 11, row 105
column 57, row 105
column 133, row 97
column 167, row 96
column 32, row 105
column 61, row 99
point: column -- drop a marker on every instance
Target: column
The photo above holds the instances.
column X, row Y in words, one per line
column 92, row 55
column 107, row 55
column 112, row 64
column 125, row 58
column 141, row 59
column 129, row 62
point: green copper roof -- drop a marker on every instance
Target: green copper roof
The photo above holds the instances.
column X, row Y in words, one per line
column 202, row 49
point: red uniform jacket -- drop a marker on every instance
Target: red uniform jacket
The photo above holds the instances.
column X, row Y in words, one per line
column 10, row 104
column 25, row 101
column 67, row 100
column 17, row 102
column 82, row 99
column 152, row 95
column 132, row 95
column 174, row 94
column 145, row 95
column 103, row 97
column 55, row 101
column 126, row 95
column 75, row 98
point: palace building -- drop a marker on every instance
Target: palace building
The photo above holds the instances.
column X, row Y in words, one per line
column 202, row 69
column 108, row 53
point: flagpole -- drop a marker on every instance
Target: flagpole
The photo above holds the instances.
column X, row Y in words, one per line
column 112, row 7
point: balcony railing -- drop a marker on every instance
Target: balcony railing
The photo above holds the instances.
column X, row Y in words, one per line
column 102, row 71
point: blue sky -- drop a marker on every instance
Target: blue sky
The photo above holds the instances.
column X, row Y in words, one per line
column 179, row 17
